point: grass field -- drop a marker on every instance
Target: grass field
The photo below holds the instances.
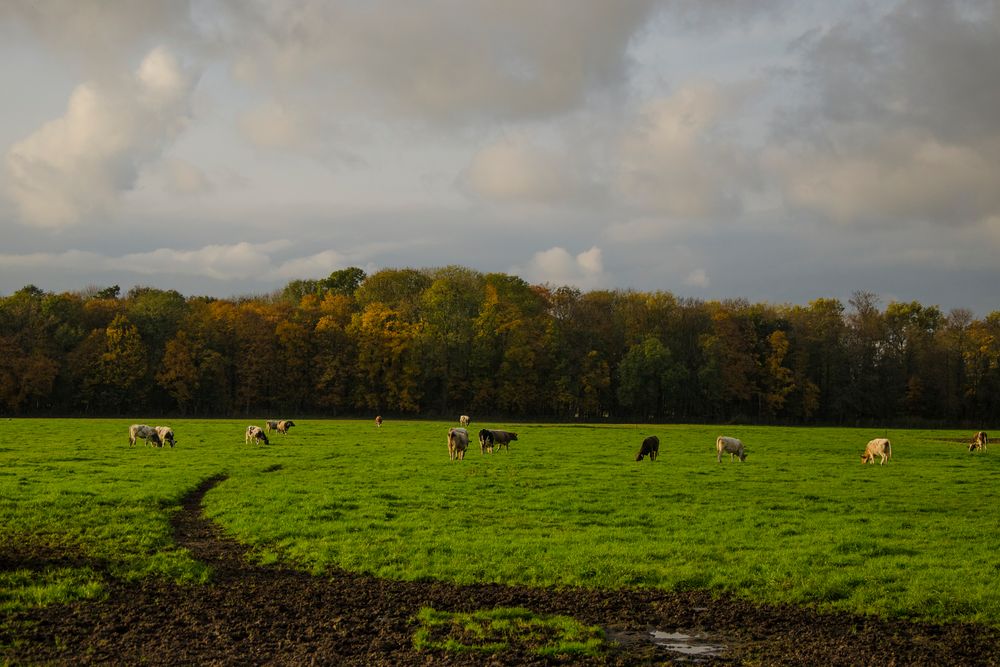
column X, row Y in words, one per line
column 801, row 521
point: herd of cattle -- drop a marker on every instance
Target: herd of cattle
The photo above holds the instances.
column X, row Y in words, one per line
column 490, row 439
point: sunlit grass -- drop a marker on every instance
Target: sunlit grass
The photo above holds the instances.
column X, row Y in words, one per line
column 492, row 630
column 802, row 521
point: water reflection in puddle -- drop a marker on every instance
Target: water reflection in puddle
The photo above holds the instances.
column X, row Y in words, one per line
column 690, row 645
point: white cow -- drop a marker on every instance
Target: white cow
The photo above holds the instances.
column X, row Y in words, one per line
column 256, row 434
column 147, row 433
column 732, row 446
column 464, row 420
column 877, row 447
column 979, row 442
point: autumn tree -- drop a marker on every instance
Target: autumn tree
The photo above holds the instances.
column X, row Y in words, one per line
column 123, row 366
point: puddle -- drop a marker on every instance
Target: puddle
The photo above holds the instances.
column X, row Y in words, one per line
column 689, row 645
column 686, row 648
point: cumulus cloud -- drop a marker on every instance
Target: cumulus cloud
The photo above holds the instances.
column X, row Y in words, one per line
column 697, row 278
column 678, row 159
column 559, row 267
column 77, row 166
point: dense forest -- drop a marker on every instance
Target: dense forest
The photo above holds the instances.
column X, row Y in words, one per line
column 444, row 341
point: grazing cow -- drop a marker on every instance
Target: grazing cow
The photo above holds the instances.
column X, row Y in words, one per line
column 650, row 446
column 166, row 435
column 147, row 433
column 256, row 434
column 271, row 425
column 502, row 439
column 877, row 447
column 284, row 425
column 464, row 420
column 979, row 441
column 485, row 441
column 378, row 421
column 458, row 442
column 731, row 446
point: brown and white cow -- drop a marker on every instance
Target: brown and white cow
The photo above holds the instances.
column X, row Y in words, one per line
column 979, row 441
column 284, row 425
column 256, row 434
column 147, row 433
column 166, row 435
column 880, row 447
column 731, row 446
column 464, row 420
column 378, row 421
column 650, row 447
column 458, row 442
column 271, row 425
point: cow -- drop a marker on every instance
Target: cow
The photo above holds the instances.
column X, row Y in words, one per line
column 166, row 435
column 147, row 433
column 979, row 441
column 877, row 447
column 502, row 439
column 458, row 442
column 731, row 446
column 464, row 420
column 284, row 425
column 256, row 434
column 378, row 421
column 271, row 425
column 650, row 446
column 485, row 441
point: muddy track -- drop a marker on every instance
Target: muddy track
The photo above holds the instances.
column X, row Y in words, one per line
column 250, row 614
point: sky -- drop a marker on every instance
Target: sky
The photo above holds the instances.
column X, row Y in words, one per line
column 776, row 151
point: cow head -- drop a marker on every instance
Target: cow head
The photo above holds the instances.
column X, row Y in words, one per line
column 743, row 456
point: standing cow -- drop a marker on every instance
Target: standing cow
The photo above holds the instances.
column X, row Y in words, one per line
column 378, row 421
column 464, row 420
column 458, row 442
column 502, row 439
column 731, row 446
column 979, row 441
column 877, row 447
column 284, row 425
column 650, row 447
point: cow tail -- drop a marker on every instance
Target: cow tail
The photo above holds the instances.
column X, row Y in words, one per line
column 888, row 445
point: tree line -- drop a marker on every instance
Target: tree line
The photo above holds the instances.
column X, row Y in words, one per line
column 437, row 342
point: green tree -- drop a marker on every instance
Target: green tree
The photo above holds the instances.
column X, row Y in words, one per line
column 648, row 377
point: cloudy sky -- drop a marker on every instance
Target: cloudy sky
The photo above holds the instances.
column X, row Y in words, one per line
column 776, row 151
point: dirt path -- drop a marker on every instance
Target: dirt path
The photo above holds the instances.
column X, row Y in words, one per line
column 251, row 615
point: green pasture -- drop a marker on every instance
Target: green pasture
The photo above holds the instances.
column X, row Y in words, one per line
column 802, row 521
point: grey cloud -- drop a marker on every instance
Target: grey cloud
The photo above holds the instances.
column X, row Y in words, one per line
column 902, row 117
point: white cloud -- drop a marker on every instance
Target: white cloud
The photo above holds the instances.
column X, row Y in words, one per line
column 77, row 166
column 315, row 266
column 697, row 278
column 557, row 266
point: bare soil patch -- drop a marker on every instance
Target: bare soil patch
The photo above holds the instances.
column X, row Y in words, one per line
column 250, row 614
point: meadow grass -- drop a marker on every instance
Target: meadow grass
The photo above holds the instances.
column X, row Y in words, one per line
column 802, row 521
